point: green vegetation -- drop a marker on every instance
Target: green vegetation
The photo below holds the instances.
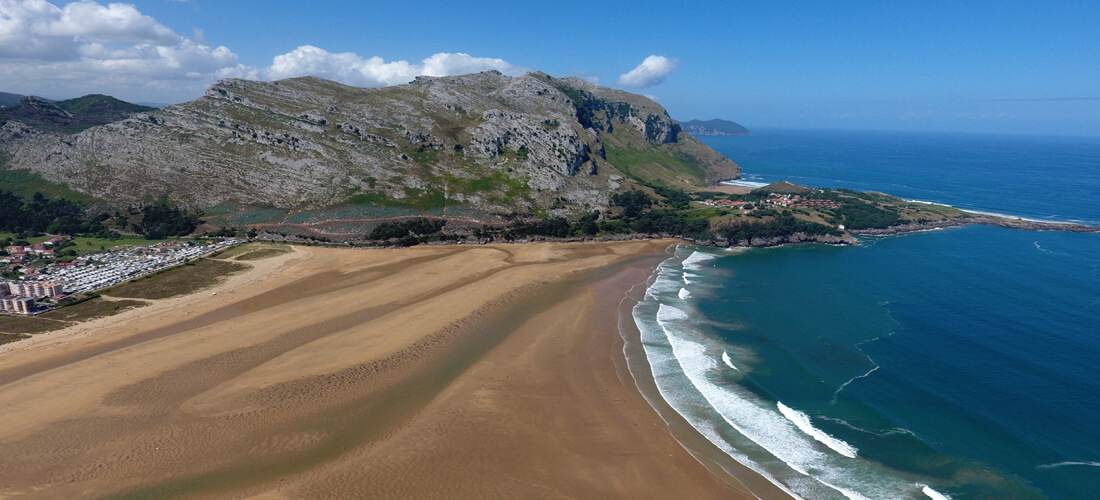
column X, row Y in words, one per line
column 90, row 244
column 784, row 225
column 662, row 210
column 252, row 251
column 181, row 280
column 70, row 116
column 652, row 164
column 237, row 250
column 633, row 202
column 264, row 251
column 40, row 214
column 25, row 183
column 13, row 328
column 19, row 327
column 163, row 218
column 426, row 156
column 510, row 189
column 11, row 337
column 407, row 233
column 96, row 307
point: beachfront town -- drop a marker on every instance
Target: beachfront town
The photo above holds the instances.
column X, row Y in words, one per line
column 39, row 288
column 785, row 200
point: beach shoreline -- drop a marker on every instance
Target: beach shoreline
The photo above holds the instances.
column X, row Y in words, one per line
column 635, row 371
column 329, row 373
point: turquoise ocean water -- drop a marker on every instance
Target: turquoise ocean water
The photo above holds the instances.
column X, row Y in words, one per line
column 961, row 363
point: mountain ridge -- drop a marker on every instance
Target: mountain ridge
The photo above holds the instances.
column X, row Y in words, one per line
column 492, row 143
column 70, row 115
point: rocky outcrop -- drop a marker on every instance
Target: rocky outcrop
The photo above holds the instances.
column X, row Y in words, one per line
column 488, row 141
column 988, row 220
column 777, row 241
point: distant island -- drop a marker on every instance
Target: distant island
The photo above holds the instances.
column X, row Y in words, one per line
column 714, row 127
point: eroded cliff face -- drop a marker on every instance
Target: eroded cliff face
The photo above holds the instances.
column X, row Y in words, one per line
column 488, row 141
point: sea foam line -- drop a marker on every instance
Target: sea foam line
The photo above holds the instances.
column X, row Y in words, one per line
column 1065, row 464
column 670, row 396
column 853, row 379
column 1003, row 216
column 802, row 421
column 769, row 430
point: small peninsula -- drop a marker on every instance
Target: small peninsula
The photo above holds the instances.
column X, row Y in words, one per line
column 714, row 127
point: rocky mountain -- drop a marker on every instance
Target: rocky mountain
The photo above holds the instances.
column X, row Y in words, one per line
column 69, row 116
column 714, row 127
column 490, row 142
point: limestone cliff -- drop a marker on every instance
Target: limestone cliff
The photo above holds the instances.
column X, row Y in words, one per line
column 487, row 141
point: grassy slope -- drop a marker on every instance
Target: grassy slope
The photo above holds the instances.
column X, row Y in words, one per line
column 25, row 183
column 181, row 280
column 650, row 163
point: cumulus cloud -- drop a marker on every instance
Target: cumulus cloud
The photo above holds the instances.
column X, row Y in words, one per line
column 652, row 71
column 39, row 29
column 85, row 47
column 351, row 69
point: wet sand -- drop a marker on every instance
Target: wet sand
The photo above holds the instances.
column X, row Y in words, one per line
column 458, row 372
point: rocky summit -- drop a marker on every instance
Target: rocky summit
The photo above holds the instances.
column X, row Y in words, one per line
column 490, row 142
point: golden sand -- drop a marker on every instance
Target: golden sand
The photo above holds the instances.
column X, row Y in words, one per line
column 428, row 372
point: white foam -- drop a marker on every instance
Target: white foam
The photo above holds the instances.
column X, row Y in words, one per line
column 1064, row 464
column 931, row 493
column 683, row 294
column 929, row 203
column 729, row 362
column 853, row 379
column 694, row 260
column 1028, row 219
column 684, row 369
column 748, row 184
column 763, row 426
column 802, row 421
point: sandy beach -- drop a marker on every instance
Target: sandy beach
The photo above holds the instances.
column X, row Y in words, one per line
column 427, row 372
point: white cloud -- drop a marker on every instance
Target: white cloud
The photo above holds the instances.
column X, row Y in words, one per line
column 84, row 47
column 351, row 69
column 39, row 29
column 652, row 71
column 87, row 47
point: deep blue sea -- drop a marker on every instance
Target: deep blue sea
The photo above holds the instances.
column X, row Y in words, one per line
column 961, row 363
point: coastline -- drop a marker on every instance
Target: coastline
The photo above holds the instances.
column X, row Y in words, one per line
column 635, row 371
column 335, row 372
column 984, row 219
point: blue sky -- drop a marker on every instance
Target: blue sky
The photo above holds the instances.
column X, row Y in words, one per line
column 1004, row 66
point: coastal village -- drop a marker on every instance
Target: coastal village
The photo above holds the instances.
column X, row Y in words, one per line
column 42, row 287
column 781, row 200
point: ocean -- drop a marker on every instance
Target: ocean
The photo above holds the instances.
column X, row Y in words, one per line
column 957, row 363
